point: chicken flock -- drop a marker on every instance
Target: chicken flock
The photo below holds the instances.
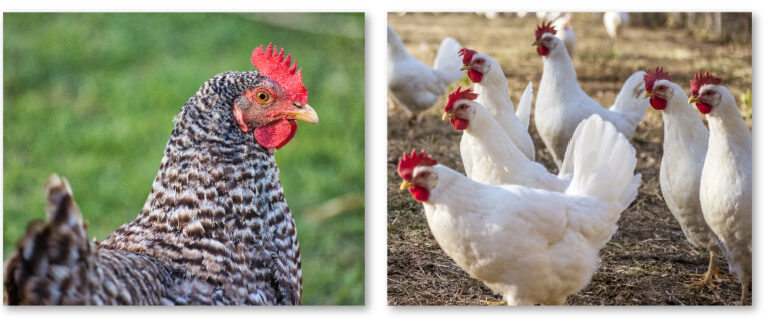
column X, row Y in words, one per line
column 215, row 229
column 534, row 237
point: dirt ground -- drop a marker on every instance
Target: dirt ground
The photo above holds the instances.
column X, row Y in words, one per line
column 648, row 260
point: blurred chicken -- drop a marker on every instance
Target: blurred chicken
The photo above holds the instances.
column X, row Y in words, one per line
column 532, row 246
column 565, row 33
column 543, row 15
column 726, row 178
column 492, row 89
column 415, row 86
column 615, row 22
column 685, row 146
column 561, row 104
column 488, row 155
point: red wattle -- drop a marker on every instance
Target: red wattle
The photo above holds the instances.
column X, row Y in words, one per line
column 543, row 51
column 474, row 75
column 658, row 103
column 419, row 193
column 459, row 123
column 703, row 108
column 275, row 134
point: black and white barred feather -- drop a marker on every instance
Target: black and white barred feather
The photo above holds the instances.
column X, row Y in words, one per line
column 215, row 230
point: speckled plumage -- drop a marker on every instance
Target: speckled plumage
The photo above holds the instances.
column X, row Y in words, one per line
column 215, row 229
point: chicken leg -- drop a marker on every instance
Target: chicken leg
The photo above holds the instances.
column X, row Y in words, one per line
column 495, row 303
column 713, row 273
column 745, row 290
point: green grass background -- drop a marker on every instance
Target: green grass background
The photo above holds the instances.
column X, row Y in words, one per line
column 92, row 96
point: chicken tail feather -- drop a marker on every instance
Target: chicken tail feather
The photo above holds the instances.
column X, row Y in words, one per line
column 603, row 163
column 630, row 100
column 447, row 62
column 52, row 258
column 524, row 106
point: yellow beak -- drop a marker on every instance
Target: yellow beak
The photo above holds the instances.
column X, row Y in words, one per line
column 536, row 43
column 305, row 113
column 405, row 185
column 647, row 94
column 465, row 67
column 693, row 99
column 447, row 115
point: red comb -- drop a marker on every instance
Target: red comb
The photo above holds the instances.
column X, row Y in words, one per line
column 651, row 77
column 271, row 64
column 546, row 27
column 468, row 54
column 406, row 164
column 459, row 94
column 700, row 79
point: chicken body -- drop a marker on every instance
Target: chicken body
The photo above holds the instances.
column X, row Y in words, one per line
column 533, row 246
column 492, row 89
column 561, row 104
column 726, row 181
column 685, row 146
column 615, row 22
column 566, row 34
column 414, row 85
column 215, row 229
column 490, row 157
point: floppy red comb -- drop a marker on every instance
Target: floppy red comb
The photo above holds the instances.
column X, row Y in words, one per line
column 459, row 94
column 700, row 79
column 406, row 164
column 271, row 64
column 546, row 27
column 468, row 54
column 651, row 77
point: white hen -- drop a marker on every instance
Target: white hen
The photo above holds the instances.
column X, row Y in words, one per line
column 488, row 155
column 726, row 178
column 685, row 146
column 561, row 104
column 414, row 85
column 492, row 89
column 565, row 33
column 532, row 246
column 615, row 22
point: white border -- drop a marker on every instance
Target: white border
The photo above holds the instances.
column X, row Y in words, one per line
column 376, row 309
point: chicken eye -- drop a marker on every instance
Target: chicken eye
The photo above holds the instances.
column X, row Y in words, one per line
column 262, row 96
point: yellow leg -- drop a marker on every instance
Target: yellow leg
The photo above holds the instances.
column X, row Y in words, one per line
column 713, row 273
column 495, row 303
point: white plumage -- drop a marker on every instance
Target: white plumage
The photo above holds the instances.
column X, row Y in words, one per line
column 492, row 89
column 615, row 22
column 726, row 179
column 561, row 104
column 565, row 33
column 490, row 157
column 414, row 85
column 532, row 246
column 685, row 146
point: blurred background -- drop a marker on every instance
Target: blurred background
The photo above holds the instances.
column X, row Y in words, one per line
column 92, row 97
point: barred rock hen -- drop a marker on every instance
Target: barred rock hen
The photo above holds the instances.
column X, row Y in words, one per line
column 215, row 229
